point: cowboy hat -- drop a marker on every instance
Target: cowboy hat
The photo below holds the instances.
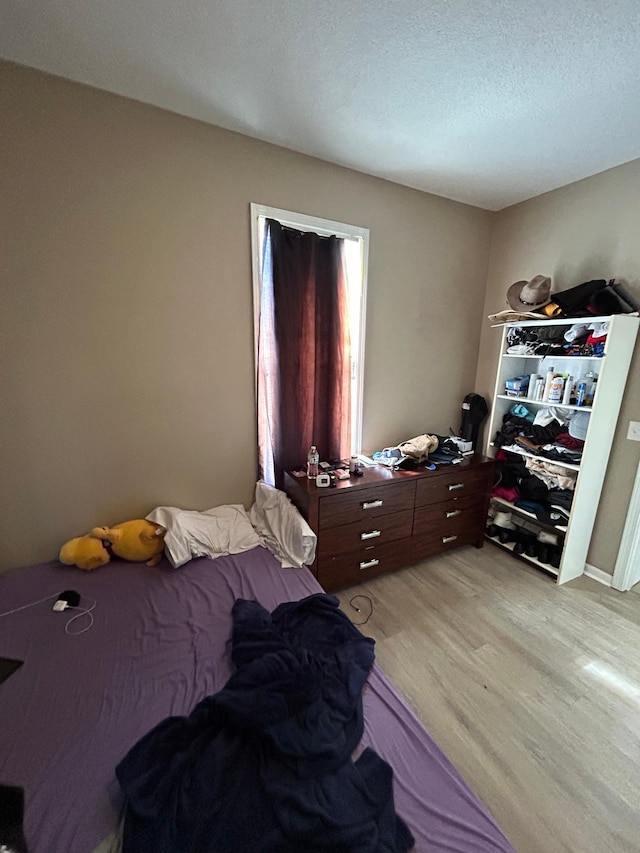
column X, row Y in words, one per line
column 529, row 295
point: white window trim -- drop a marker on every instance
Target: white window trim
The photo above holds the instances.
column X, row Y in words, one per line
column 324, row 227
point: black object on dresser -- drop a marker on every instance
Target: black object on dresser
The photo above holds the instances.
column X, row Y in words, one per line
column 387, row 519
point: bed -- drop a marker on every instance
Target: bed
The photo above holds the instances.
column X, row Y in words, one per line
column 159, row 645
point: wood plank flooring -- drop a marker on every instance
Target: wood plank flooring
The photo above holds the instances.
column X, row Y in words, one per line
column 532, row 690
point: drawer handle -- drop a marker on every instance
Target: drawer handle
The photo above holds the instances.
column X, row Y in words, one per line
column 373, row 534
column 452, row 513
column 369, row 564
column 371, row 504
column 456, row 486
column 446, row 539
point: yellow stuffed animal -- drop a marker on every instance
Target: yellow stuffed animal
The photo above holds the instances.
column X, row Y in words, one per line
column 137, row 541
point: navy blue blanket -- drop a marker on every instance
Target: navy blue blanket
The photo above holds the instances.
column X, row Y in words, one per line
column 265, row 764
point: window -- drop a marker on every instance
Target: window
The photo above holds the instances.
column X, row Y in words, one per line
column 354, row 246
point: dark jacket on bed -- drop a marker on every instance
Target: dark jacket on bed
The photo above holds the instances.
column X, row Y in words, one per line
column 265, row 764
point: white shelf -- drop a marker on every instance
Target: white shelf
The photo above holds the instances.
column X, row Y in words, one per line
column 563, row 321
column 612, row 371
column 557, row 355
column 522, row 452
column 544, row 403
column 531, row 516
column 508, row 546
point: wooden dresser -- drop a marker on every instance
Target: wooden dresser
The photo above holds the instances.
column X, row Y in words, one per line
column 386, row 519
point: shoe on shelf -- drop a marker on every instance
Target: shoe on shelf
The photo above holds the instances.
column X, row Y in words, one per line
column 542, row 554
column 507, row 536
column 504, row 520
column 555, row 556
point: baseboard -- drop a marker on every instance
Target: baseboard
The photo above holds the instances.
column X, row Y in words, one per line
column 597, row 574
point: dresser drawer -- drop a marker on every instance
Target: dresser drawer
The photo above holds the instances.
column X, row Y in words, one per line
column 359, row 505
column 450, row 517
column 454, row 484
column 357, row 567
column 345, row 538
column 428, row 546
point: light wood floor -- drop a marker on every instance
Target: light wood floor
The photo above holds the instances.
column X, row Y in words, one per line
column 532, row 690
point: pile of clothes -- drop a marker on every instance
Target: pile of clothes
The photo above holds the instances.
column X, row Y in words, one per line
column 540, row 489
column 587, row 339
column 266, row 763
column 583, row 339
column 424, row 450
column 554, row 432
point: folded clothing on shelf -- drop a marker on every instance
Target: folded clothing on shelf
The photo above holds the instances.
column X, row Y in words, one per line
column 553, row 518
column 567, row 440
column 560, row 453
column 561, row 500
column 537, row 493
column 514, row 426
column 555, row 476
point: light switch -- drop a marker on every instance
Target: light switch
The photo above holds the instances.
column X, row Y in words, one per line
column 634, row 431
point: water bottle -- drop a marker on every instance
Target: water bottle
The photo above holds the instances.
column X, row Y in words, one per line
column 313, row 461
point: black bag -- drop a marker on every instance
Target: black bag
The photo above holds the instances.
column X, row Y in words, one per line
column 575, row 300
column 596, row 298
column 474, row 411
column 610, row 300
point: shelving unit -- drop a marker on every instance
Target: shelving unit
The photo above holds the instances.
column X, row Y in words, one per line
column 612, row 369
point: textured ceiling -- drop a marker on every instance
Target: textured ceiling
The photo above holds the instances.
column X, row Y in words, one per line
column 485, row 101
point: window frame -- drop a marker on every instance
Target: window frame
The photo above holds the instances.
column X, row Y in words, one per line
column 326, row 228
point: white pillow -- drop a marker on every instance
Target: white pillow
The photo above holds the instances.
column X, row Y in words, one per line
column 283, row 530
column 214, row 533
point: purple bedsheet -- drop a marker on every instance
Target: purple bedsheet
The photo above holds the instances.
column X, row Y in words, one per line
column 157, row 647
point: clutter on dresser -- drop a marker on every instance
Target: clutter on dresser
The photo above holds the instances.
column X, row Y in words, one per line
column 315, row 466
column 313, row 462
column 422, row 451
column 430, row 450
column 464, row 447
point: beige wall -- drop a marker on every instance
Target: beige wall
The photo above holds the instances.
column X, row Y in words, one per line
column 583, row 231
column 126, row 343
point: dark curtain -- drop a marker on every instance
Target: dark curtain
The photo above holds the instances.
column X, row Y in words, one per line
column 304, row 365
